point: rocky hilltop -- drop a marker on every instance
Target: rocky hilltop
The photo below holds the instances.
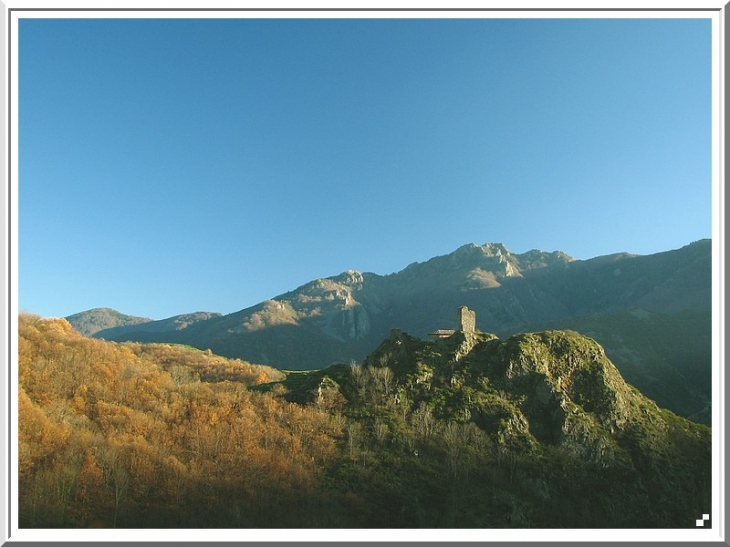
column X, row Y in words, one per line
column 575, row 445
column 620, row 299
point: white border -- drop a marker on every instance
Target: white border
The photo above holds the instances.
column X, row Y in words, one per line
column 714, row 534
column 376, row 14
column 718, row 262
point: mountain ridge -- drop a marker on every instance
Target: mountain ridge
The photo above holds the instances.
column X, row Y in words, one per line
column 344, row 317
column 533, row 260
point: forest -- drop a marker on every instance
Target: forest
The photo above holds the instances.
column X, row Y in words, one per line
column 130, row 435
column 159, row 436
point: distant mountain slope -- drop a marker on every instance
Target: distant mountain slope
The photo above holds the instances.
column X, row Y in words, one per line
column 171, row 324
column 92, row 321
column 100, row 321
column 344, row 317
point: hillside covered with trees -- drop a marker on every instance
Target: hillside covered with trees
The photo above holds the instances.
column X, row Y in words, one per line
column 538, row 430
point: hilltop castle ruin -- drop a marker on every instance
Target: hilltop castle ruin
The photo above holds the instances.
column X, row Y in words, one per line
column 466, row 321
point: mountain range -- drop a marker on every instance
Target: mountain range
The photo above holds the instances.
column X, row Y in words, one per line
column 652, row 314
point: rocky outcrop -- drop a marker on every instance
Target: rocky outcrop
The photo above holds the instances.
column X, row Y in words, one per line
column 554, row 388
column 549, row 413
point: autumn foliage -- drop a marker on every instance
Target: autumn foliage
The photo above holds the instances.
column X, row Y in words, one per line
column 131, row 435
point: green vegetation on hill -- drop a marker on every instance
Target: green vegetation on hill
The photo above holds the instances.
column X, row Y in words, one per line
column 666, row 355
column 538, row 430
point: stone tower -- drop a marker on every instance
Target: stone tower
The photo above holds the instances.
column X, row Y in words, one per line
column 467, row 320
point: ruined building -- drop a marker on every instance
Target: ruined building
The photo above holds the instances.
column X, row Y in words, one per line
column 466, row 321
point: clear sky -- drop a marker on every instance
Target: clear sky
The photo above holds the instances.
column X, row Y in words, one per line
column 172, row 166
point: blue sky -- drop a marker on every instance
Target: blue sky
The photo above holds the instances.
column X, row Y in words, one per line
column 171, row 166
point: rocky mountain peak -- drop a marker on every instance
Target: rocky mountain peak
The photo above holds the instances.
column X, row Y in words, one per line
column 350, row 277
column 495, row 249
column 473, row 266
column 465, row 250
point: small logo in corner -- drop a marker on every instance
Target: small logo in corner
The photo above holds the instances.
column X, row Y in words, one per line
column 701, row 522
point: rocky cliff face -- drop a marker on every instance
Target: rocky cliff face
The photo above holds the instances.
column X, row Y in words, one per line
column 332, row 305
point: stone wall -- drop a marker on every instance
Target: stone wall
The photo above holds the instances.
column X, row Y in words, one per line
column 467, row 320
